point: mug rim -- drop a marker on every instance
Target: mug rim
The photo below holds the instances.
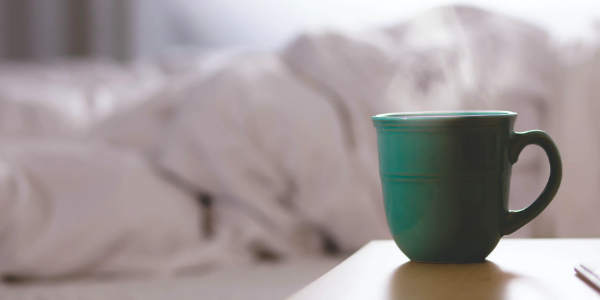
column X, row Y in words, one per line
column 436, row 115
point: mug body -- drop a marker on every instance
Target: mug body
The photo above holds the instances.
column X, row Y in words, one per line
column 445, row 178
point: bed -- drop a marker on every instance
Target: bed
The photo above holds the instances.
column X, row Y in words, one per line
column 236, row 174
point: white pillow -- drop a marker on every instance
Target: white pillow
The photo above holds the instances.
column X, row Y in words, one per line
column 70, row 208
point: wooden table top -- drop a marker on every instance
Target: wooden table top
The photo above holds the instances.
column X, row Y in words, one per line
column 516, row 269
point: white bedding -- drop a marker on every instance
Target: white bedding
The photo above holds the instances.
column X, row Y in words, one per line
column 101, row 165
column 271, row 281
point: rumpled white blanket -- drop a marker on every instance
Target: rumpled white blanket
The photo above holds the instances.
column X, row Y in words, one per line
column 101, row 170
column 73, row 208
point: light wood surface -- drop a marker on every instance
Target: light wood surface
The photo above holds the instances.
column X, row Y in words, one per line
column 517, row 269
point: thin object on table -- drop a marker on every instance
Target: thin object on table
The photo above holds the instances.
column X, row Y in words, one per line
column 589, row 273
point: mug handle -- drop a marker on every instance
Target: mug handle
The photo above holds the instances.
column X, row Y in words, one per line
column 516, row 219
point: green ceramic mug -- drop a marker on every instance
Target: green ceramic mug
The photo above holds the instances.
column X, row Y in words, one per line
column 445, row 179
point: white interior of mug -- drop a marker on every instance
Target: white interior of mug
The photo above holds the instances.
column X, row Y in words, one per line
column 443, row 114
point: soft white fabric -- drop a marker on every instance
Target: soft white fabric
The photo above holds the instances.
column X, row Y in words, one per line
column 69, row 208
column 256, row 136
column 272, row 281
column 143, row 126
column 67, row 97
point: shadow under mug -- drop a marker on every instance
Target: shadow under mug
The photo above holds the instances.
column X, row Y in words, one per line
column 445, row 179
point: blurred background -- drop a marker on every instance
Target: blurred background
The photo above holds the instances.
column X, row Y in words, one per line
column 217, row 142
column 135, row 28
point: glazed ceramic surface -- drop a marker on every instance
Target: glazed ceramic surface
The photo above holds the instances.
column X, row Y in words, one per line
column 445, row 179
